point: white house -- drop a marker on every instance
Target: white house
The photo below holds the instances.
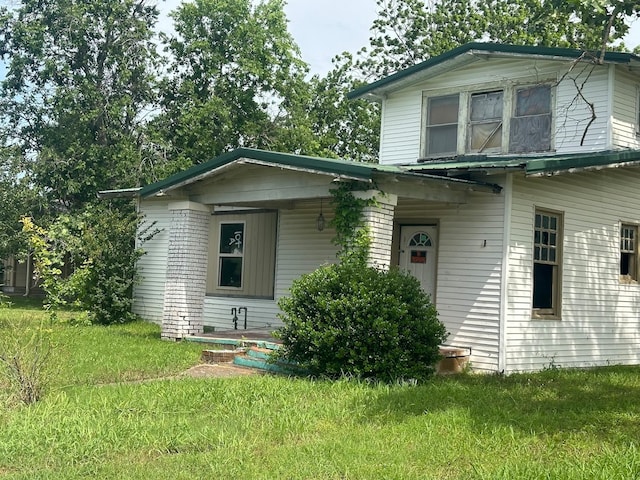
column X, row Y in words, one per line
column 508, row 183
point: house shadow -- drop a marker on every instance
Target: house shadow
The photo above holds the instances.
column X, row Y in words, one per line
column 602, row 402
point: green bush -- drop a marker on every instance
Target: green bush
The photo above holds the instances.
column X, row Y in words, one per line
column 87, row 261
column 349, row 319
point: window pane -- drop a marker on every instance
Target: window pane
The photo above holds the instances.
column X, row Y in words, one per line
column 486, row 106
column 232, row 238
column 442, row 139
column 533, row 101
column 543, row 285
column 485, row 135
column 443, row 110
column 230, row 272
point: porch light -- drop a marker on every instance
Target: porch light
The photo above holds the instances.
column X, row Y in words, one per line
column 320, row 219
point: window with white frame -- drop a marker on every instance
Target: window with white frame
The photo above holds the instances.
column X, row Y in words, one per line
column 477, row 122
column 442, row 125
column 547, row 254
column 530, row 126
column 629, row 251
column 485, row 121
column 230, row 255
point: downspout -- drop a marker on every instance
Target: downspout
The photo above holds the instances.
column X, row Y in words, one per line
column 504, row 290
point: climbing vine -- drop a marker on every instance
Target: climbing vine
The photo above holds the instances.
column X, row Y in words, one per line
column 352, row 236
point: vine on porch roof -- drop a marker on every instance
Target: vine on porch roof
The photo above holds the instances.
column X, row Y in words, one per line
column 352, row 235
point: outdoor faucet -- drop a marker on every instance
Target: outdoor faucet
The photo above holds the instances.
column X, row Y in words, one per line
column 245, row 315
column 234, row 311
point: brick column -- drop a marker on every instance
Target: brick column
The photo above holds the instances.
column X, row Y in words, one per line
column 186, row 281
column 379, row 219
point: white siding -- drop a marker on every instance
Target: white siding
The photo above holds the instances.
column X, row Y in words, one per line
column 300, row 249
column 625, row 111
column 573, row 115
column 469, row 271
column 600, row 316
column 402, row 113
column 152, row 266
column 401, row 132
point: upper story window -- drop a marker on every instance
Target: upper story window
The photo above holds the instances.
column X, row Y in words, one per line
column 531, row 124
column 485, row 121
column 512, row 120
column 442, row 125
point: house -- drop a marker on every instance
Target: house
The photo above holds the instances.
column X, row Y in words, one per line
column 508, row 184
column 17, row 278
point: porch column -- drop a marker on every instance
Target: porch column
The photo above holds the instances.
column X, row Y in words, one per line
column 379, row 219
column 186, row 280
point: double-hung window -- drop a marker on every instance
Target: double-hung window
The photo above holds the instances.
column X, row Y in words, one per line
column 485, row 121
column 629, row 252
column 442, row 125
column 515, row 119
column 547, row 252
column 530, row 127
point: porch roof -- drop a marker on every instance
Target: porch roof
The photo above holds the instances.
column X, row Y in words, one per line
column 532, row 165
column 341, row 169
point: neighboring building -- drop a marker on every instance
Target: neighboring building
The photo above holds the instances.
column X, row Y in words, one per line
column 17, row 278
column 515, row 203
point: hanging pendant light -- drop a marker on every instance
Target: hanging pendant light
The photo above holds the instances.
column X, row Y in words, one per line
column 320, row 219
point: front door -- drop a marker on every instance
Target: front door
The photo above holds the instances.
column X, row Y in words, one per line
column 418, row 255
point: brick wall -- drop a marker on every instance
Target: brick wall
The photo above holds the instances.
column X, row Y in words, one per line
column 186, row 270
column 379, row 219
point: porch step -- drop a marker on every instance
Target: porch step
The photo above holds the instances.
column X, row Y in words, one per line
column 232, row 342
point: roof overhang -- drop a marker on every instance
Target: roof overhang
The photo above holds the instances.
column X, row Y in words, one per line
column 471, row 52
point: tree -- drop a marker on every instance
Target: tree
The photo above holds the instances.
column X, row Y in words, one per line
column 234, row 70
column 78, row 83
column 407, row 32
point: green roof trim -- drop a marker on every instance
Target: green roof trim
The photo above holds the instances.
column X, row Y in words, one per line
column 339, row 168
column 570, row 53
column 542, row 164
column 330, row 166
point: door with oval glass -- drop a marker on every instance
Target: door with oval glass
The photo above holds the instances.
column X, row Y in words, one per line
column 418, row 254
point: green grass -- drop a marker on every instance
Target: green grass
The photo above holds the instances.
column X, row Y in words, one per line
column 556, row 424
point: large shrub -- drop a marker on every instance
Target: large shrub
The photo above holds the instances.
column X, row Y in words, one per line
column 87, row 260
column 356, row 320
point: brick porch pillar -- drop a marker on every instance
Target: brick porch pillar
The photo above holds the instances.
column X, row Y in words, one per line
column 379, row 219
column 186, row 281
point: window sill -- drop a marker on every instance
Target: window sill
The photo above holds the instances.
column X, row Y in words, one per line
column 545, row 316
column 628, row 280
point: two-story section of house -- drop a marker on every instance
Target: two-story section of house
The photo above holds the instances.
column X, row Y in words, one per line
column 508, row 184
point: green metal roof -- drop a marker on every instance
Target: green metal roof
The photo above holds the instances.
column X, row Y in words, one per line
column 550, row 52
column 543, row 164
column 339, row 168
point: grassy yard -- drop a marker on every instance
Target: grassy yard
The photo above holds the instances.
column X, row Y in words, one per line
column 556, row 424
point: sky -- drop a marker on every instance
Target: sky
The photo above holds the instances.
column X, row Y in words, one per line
column 325, row 28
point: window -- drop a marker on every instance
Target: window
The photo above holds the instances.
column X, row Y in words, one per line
column 442, row 125
column 230, row 255
column 242, row 252
column 547, row 251
column 628, row 251
column 485, row 121
column 516, row 119
column 530, row 128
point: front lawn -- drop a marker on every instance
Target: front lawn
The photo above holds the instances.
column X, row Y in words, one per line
column 555, row 424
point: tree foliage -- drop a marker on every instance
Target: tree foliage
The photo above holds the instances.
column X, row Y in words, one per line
column 233, row 69
column 407, row 32
column 78, row 82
